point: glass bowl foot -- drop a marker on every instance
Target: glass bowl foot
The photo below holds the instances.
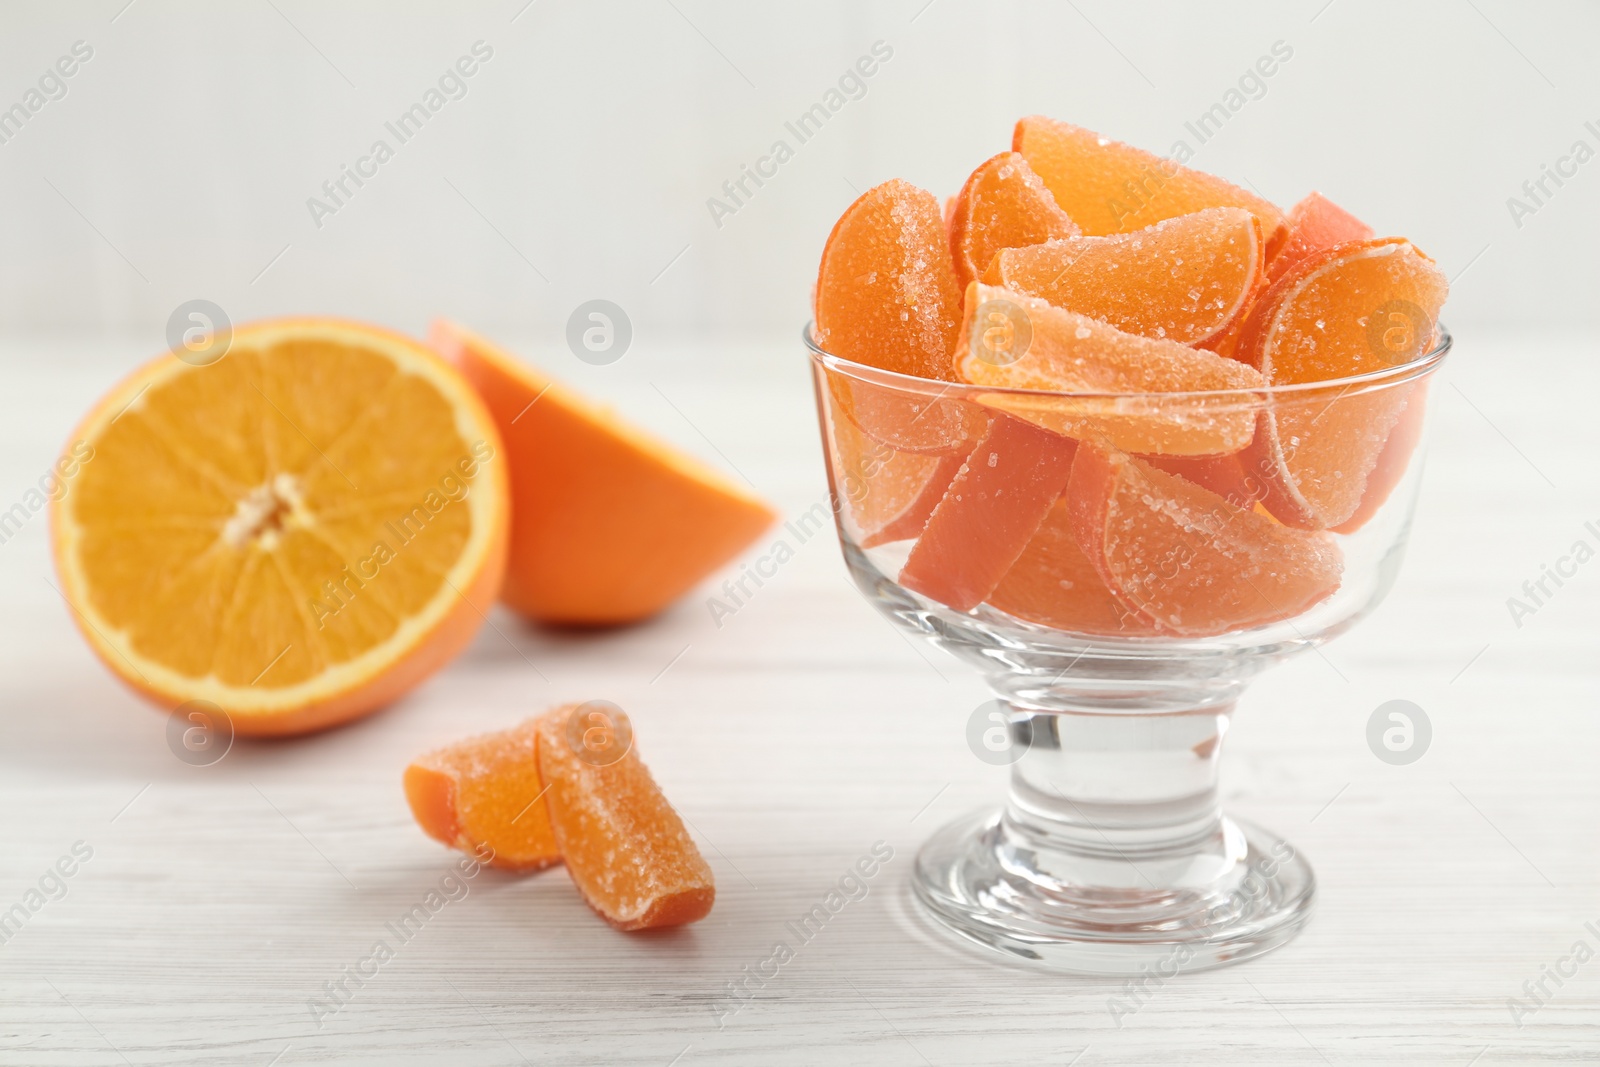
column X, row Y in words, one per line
column 1239, row 892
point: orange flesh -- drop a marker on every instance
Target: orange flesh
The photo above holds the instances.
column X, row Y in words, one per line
column 1069, row 352
column 886, row 293
column 1330, row 317
column 1002, row 205
column 1054, row 584
column 298, row 532
column 1315, row 223
column 1184, row 279
column 1184, row 558
column 989, row 513
column 486, row 791
column 1110, row 187
column 626, row 849
column 608, row 525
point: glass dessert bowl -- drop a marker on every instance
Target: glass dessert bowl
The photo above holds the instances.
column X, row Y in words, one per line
column 1119, row 566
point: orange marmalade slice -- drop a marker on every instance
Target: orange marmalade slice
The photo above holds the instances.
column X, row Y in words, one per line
column 1347, row 310
column 1015, row 341
column 989, row 513
column 1110, row 187
column 886, row 294
column 486, row 791
column 624, row 845
column 1184, row 558
column 1002, row 205
column 1185, row 279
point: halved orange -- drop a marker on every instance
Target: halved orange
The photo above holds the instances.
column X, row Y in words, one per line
column 608, row 524
column 298, row 533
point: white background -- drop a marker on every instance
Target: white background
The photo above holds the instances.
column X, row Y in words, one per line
column 593, row 138
column 220, row 899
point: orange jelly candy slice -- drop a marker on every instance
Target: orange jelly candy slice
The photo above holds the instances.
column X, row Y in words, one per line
column 989, row 513
column 1002, row 205
column 886, row 294
column 1350, row 309
column 1393, row 460
column 486, row 791
column 1315, row 223
column 1185, row 279
column 1186, row 560
column 1014, row 341
column 906, row 419
column 888, row 494
column 1110, row 187
column 1227, row 476
column 1053, row 584
column 626, row 849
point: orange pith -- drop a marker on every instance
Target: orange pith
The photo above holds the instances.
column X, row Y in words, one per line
column 1002, row 205
column 624, row 845
column 1063, row 351
column 298, row 533
column 886, row 294
column 608, row 525
column 1184, row 279
column 1110, row 187
column 1347, row 310
column 1183, row 558
column 486, row 791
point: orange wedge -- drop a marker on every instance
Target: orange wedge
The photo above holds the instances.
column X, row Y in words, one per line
column 1351, row 309
column 298, row 533
column 886, row 294
column 608, row 525
column 1185, row 279
column 624, row 845
column 1002, row 205
column 1183, row 558
column 1048, row 349
column 484, row 796
column 1110, row 187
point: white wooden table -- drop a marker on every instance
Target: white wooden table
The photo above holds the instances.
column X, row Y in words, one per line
column 219, row 900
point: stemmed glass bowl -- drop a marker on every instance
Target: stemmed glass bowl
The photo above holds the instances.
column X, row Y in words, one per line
column 1110, row 853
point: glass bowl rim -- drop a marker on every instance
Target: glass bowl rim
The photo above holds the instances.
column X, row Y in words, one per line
column 1400, row 373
